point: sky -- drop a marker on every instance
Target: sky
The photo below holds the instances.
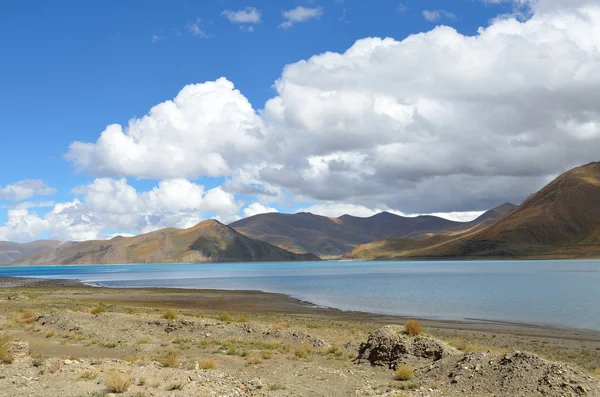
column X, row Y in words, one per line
column 126, row 117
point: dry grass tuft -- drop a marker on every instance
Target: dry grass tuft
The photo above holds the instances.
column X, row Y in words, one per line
column 404, row 372
column 597, row 372
column 5, row 354
column 176, row 385
column 117, row 383
column 27, row 317
column 413, row 328
column 243, row 319
column 98, row 310
column 170, row 359
column 253, row 360
column 169, row 315
column 208, row 364
column 304, row 351
column 335, row 351
column 88, row 375
column 50, row 334
column 226, row 317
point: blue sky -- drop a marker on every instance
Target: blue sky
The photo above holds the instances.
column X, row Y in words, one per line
column 72, row 68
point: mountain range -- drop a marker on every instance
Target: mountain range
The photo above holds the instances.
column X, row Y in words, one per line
column 329, row 237
column 208, row 241
column 562, row 220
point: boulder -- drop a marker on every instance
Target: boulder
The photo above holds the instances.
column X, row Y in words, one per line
column 389, row 346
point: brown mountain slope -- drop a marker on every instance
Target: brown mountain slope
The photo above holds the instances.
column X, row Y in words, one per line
column 562, row 220
column 208, row 241
column 10, row 251
column 306, row 232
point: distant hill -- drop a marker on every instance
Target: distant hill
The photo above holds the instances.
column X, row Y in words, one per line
column 10, row 251
column 562, row 220
column 305, row 232
column 209, row 241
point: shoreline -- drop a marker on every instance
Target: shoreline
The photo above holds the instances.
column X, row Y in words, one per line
column 254, row 301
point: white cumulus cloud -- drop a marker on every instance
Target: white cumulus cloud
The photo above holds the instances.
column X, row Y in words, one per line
column 208, row 129
column 113, row 204
column 300, row 14
column 247, row 15
column 438, row 122
column 257, row 208
column 436, row 15
column 25, row 189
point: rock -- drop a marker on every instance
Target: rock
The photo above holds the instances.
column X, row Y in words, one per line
column 67, row 362
column 389, row 346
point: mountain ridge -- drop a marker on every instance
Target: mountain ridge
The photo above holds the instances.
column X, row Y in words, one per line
column 208, row 241
column 561, row 220
column 306, row 232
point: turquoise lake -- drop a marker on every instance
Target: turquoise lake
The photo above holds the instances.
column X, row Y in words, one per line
column 556, row 293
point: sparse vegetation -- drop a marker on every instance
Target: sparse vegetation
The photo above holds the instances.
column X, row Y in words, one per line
column 88, row 375
column 118, row 383
column 225, row 317
column 49, row 334
column 276, row 386
column 413, row 328
column 98, row 310
column 37, row 360
column 170, row 359
column 253, row 360
column 335, row 351
column 266, row 354
column 408, row 385
column 208, row 364
column 597, row 372
column 169, row 315
column 304, row 351
column 5, row 355
column 243, row 319
column 27, row 317
column 404, row 372
column 176, row 385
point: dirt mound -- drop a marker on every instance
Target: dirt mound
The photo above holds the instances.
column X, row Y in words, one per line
column 509, row 375
column 390, row 346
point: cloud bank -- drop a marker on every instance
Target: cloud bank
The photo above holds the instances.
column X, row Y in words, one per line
column 437, row 122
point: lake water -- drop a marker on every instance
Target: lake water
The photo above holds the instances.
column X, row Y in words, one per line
column 558, row 293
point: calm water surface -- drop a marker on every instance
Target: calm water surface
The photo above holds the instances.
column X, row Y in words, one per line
column 559, row 293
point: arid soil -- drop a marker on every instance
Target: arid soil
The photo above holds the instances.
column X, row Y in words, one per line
column 70, row 340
